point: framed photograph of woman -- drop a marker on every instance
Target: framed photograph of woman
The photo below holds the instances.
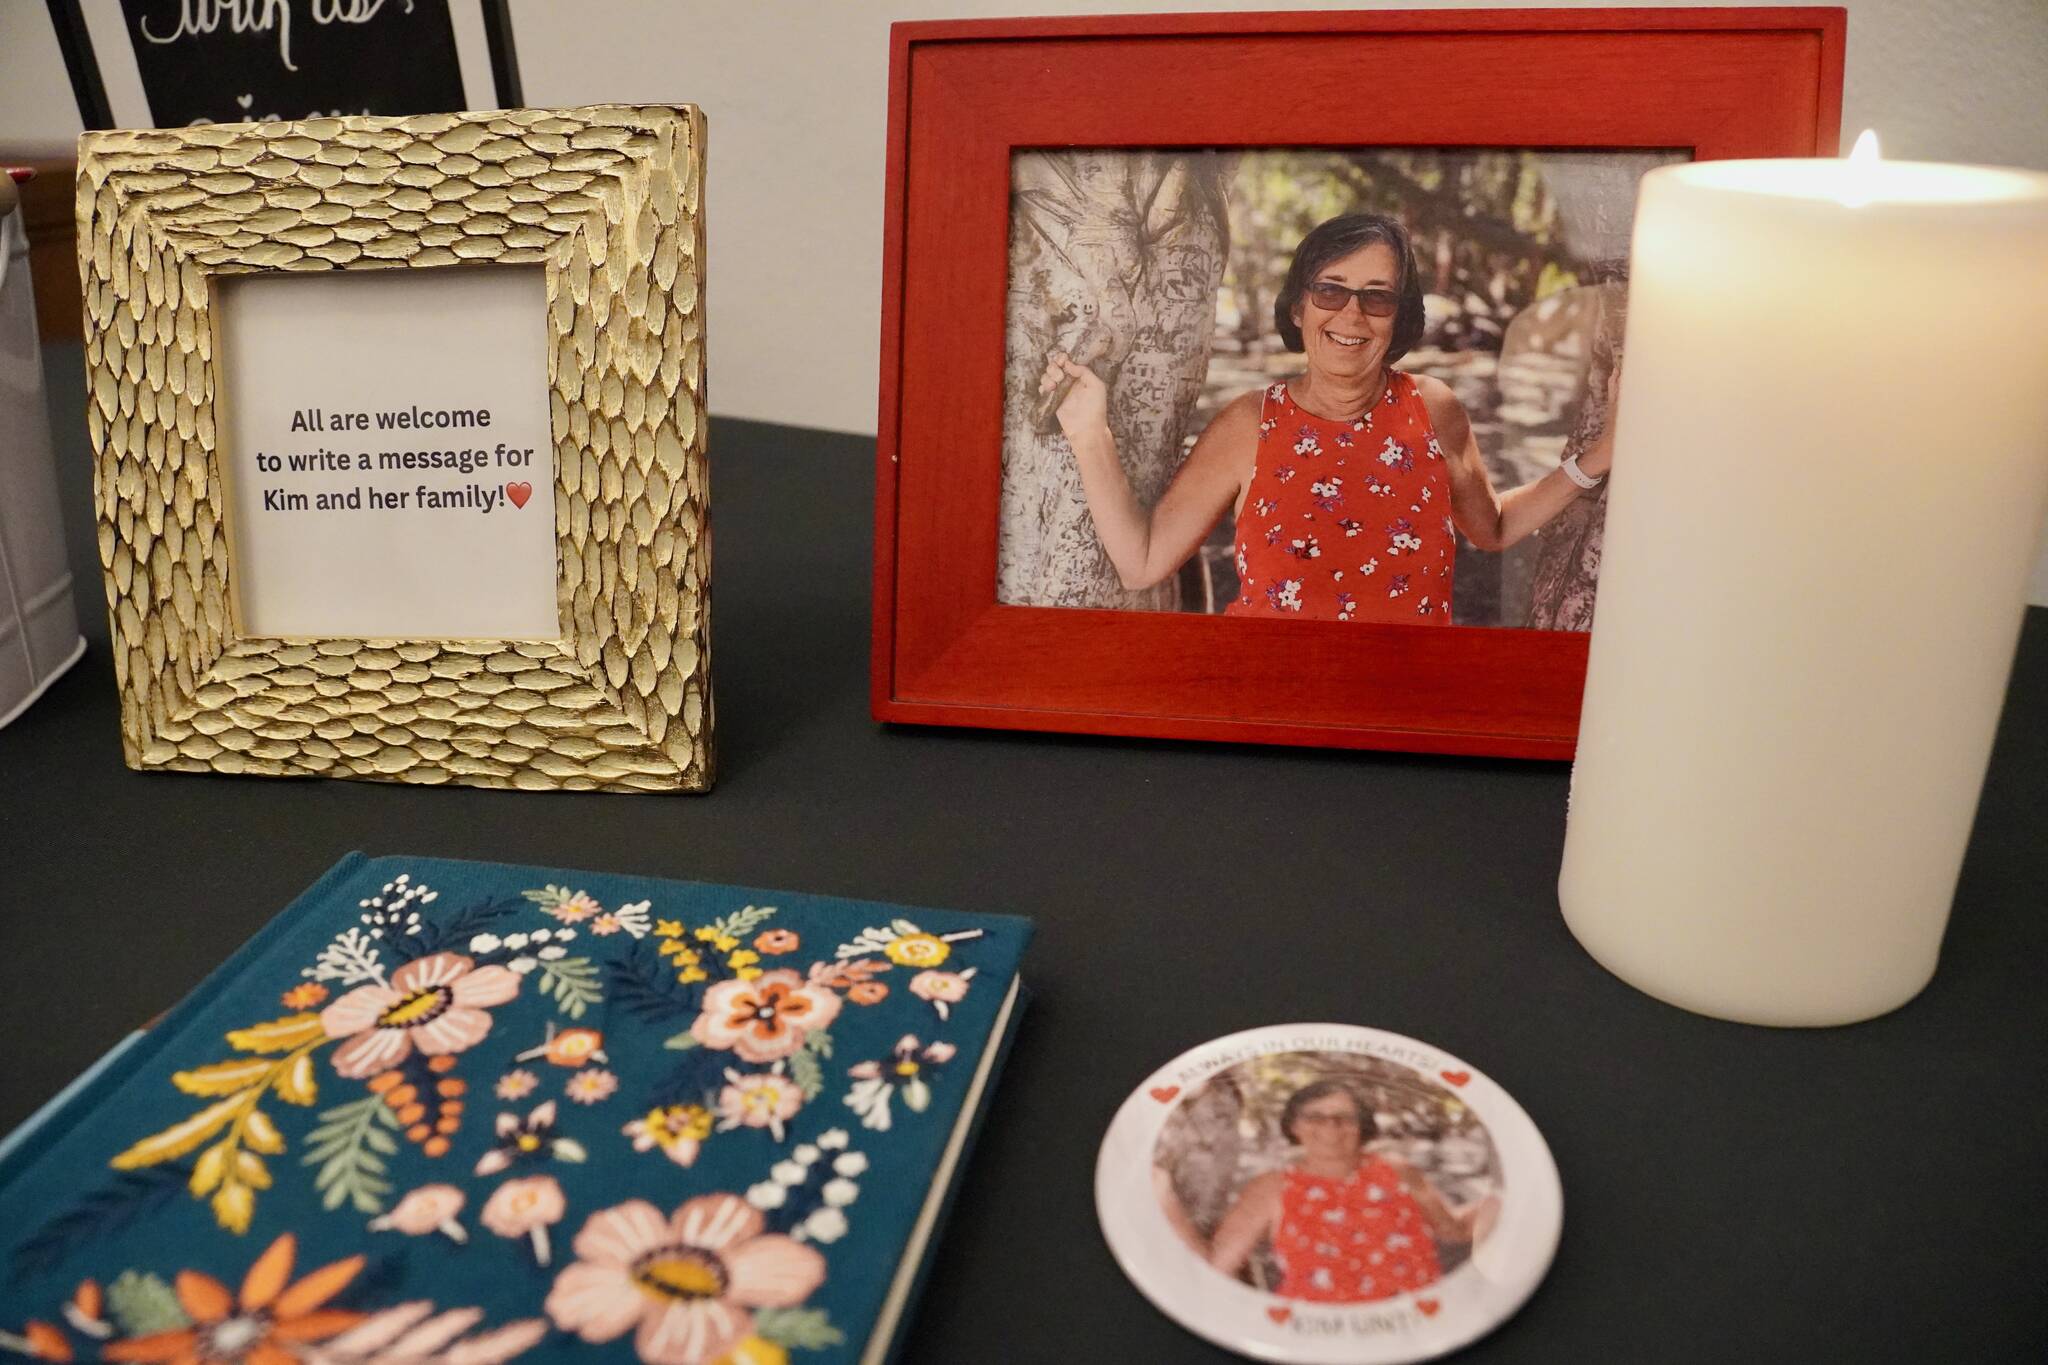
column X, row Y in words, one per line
column 1271, row 415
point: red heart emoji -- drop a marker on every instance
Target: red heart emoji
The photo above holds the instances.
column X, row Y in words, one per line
column 1428, row 1307
column 519, row 493
column 1165, row 1093
column 1280, row 1313
column 1456, row 1077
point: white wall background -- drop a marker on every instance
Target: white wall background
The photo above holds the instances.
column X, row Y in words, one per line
column 796, row 92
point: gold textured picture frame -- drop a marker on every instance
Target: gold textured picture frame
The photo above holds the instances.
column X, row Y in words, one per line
column 608, row 200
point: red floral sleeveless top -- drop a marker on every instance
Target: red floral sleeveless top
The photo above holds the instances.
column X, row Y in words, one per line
column 1350, row 1240
column 1347, row 521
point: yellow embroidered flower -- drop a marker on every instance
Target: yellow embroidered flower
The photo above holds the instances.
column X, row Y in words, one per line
column 754, row 1351
column 668, row 928
column 743, row 958
column 725, row 943
column 918, row 950
column 747, row 973
column 707, row 935
column 690, row 974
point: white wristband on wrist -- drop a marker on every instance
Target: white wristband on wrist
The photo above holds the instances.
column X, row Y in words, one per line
column 1570, row 466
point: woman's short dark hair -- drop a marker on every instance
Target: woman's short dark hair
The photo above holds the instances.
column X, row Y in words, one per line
column 1368, row 1126
column 1333, row 241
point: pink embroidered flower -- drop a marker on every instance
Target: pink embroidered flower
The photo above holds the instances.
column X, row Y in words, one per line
column 765, row 1019
column 591, row 1085
column 436, row 1004
column 685, row 1285
column 678, row 1129
column 605, row 924
column 430, row 1208
column 525, row 1208
column 764, row 1100
column 574, row 909
column 942, row 989
column 517, row 1085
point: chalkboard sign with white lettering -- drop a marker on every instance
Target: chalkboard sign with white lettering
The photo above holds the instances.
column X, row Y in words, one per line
column 169, row 63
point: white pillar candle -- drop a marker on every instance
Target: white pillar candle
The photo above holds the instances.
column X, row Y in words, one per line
column 1830, row 476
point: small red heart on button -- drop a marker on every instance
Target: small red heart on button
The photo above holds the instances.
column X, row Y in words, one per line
column 1456, row 1077
column 1428, row 1307
column 519, row 493
column 1165, row 1093
column 1280, row 1314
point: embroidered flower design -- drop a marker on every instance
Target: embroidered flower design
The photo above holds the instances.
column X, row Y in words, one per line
column 1284, row 596
column 529, row 1139
column 593, row 1085
column 763, row 1100
column 867, row 992
column 765, row 1019
column 1305, row 547
column 574, row 909
column 1345, row 605
column 1398, row 585
column 776, row 942
column 685, row 1285
column 678, row 1130
column 517, row 1085
column 525, row 1208
column 261, row 1325
column 569, row 1047
column 918, row 950
column 430, row 1208
column 877, row 1082
column 303, row 997
column 436, row 1004
column 942, row 989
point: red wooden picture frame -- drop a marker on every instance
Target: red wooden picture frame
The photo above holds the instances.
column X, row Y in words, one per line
column 964, row 95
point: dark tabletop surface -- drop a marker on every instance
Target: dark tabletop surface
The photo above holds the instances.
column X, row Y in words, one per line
column 1874, row 1193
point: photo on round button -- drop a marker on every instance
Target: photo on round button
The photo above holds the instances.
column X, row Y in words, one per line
column 1328, row 1193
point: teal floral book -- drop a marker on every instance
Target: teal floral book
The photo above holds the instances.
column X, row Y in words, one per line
column 463, row 1113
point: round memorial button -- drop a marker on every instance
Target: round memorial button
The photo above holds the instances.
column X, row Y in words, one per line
column 1328, row 1193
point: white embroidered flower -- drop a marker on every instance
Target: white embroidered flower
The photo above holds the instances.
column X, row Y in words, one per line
column 540, row 936
column 522, row 965
column 634, row 918
column 852, row 1163
column 787, row 1173
column 840, row 1193
column 767, row 1195
column 832, row 1139
column 515, row 941
column 804, row 1153
column 826, row 1225
column 564, row 935
column 554, row 952
column 485, row 943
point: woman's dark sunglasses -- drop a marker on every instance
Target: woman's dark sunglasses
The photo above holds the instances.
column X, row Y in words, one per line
column 1331, row 297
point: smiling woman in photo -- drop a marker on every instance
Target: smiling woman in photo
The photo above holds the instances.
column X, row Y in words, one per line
column 1348, row 481
column 1346, row 1224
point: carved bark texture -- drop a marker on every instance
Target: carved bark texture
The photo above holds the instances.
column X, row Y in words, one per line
column 1116, row 257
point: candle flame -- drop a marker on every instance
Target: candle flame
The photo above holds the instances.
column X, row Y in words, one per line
column 1859, row 186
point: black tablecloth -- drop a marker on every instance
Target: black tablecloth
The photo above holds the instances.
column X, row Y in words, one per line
column 1875, row 1193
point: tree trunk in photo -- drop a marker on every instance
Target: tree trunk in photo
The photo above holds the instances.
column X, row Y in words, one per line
column 1562, row 588
column 1115, row 258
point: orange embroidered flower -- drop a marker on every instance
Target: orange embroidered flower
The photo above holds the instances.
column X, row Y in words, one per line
column 764, row 1019
column 46, row 1342
column 777, row 942
column 258, row 1327
column 304, row 997
column 575, row 1046
column 867, row 992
